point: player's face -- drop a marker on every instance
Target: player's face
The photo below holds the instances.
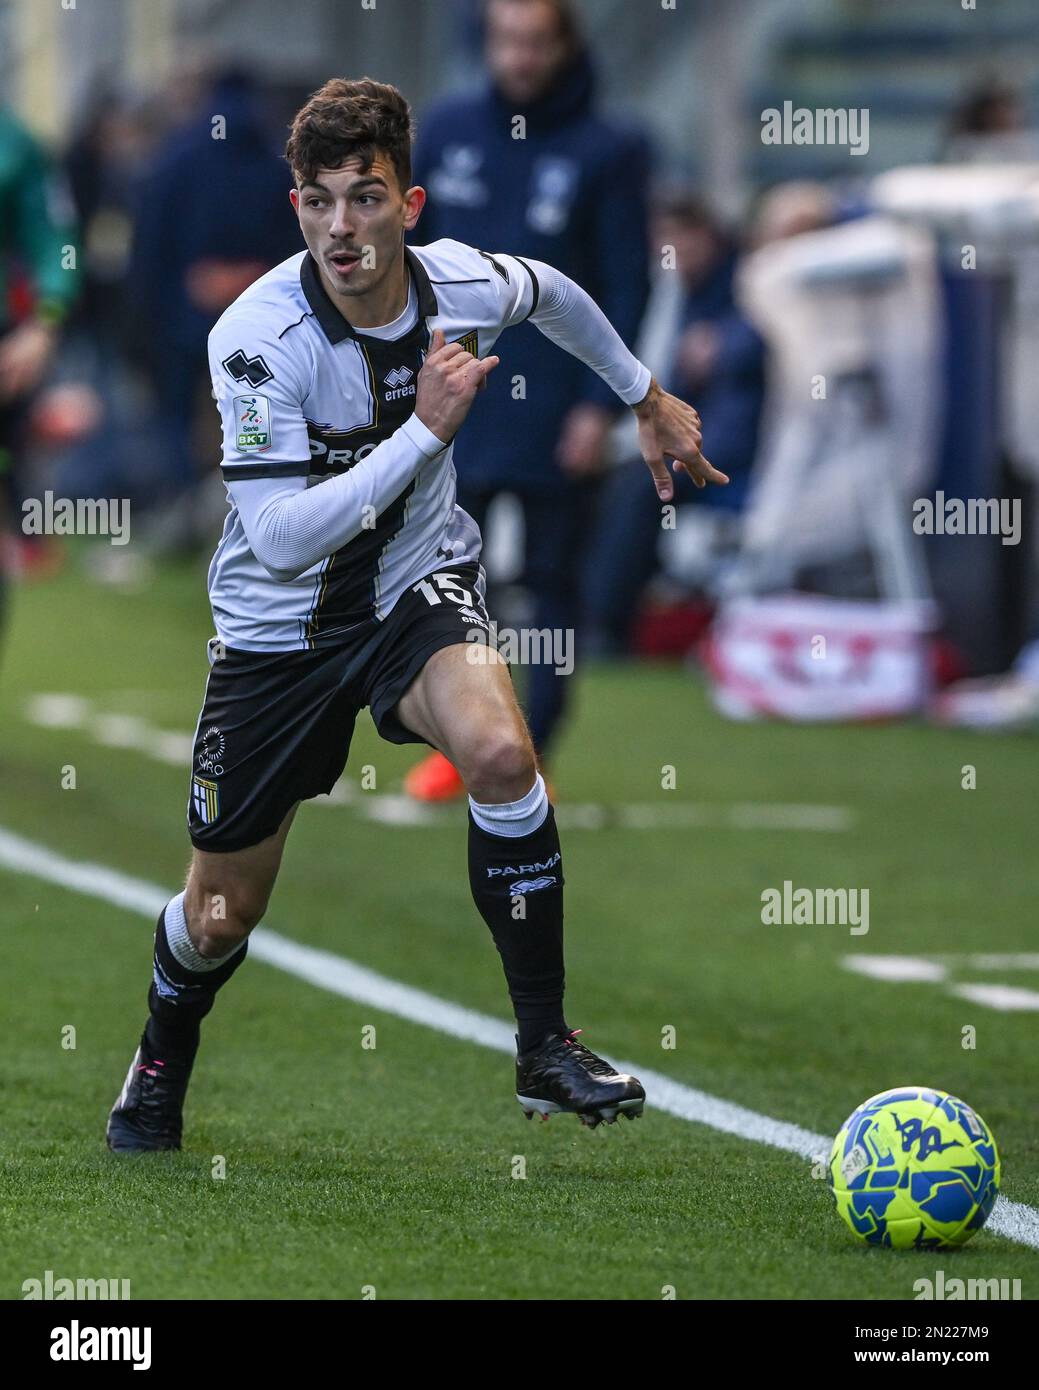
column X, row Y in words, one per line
column 353, row 223
column 525, row 49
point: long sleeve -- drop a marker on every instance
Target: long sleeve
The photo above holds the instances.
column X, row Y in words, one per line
column 291, row 527
column 569, row 316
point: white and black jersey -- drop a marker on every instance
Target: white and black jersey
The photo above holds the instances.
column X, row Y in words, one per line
column 305, row 398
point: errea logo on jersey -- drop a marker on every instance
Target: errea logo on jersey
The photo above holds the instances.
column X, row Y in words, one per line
column 254, row 370
column 397, row 380
column 253, row 417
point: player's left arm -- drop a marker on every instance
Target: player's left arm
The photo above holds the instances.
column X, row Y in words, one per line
column 569, row 316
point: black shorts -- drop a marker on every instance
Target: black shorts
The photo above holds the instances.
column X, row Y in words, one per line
column 275, row 727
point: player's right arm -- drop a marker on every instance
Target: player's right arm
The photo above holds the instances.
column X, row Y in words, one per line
column 568, row 316
column 266, row 454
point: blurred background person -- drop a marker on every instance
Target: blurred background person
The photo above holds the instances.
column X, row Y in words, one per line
column 712, row 357
column 88, row 428
column 991, row 124
column 788, row 209
column 38, row 286
column 213, row 216
column 571, row 191
column 109, row 153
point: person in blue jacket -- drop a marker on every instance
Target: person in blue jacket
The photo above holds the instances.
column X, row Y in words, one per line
column 193, row 255
column 716, row 359
column 527, row 165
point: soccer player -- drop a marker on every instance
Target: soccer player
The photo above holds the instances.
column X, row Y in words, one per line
column 346, row 576
column 37, row 229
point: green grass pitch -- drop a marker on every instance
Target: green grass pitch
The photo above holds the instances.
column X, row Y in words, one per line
column 393, row 1169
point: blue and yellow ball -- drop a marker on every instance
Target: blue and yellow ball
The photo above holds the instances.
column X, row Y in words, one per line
column 914, row 1168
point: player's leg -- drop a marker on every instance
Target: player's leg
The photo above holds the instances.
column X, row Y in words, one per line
column 12, row 418
column 623, row 553
column 275, row 729
column 556, row 531
column 6, row 541
column 467, row 708
column 462, row 702
column 435, row 778
column 201, row 938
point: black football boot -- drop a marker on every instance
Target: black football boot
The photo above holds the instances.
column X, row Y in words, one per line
column 149, row 1112
column 561, row 1074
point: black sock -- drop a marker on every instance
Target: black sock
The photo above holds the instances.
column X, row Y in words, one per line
column 179, row 998
column 527, row 925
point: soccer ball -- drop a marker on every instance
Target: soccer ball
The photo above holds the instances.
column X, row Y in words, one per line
column 914, row 1168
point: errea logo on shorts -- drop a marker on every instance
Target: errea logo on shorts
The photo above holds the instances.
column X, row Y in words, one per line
column 253, row 416
column 470, row 615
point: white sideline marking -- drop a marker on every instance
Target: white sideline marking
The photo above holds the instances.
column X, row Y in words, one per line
column 936, row 969
column 1008, row 998
column 1019, row 961
column 897, row 968
column 327, row 971
column 67, row 711
column 400, row 809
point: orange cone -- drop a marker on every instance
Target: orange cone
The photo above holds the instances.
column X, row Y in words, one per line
column 434, row 779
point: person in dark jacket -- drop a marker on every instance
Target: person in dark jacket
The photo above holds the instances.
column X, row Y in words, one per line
column 39, row 283
column 193, row 255
column 717, row 359
column 527, row 165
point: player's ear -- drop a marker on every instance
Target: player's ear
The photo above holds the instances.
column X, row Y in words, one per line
column 414, row 202
column 294, row 200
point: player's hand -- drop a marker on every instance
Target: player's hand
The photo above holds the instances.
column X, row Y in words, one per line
column 669, row 428
column 24, row 355
column 448, row 382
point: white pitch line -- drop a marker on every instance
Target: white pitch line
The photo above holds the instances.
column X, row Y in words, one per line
column 342, row 977
column 935, row 970
column 58, row 710
column 896, row 968
column 1020, row 960
column 1006, row 998
column 941, row 960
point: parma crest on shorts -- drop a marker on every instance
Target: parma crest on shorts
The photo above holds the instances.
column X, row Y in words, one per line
column 206, row 798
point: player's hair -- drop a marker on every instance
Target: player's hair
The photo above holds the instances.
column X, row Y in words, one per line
column 346, row 119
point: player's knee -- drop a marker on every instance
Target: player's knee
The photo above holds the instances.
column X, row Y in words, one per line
column 220, row 918
column 501, row 767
